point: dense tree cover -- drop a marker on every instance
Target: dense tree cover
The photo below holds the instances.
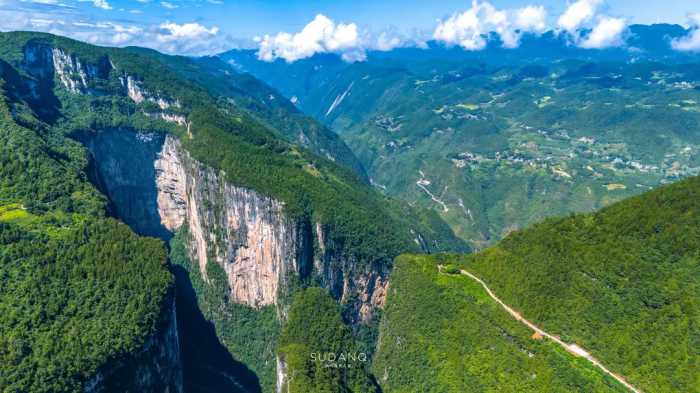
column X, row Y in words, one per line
column 77, row 290
column 318, row 348
column 70, row 303
column 362, row 224
column 361, row 221
column 442, row 333
column 239, row 92
column 624, row 283
column 43, row 172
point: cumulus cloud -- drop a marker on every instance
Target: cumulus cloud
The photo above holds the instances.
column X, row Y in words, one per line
column 577, row 14
column 58, row 18
column 168, row 37
column 468, row 29
column 690, row 42
column 607, row 33
column 185, row 38
column 531, row 18
column 322, row 35
column 587, row 28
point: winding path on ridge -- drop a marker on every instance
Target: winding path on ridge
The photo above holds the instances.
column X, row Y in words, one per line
column 571, row 348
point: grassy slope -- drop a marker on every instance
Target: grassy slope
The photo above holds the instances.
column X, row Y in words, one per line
column 442, row 333
column 623, row 282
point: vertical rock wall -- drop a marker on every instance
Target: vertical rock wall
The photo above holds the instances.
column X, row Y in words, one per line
column 252, row 239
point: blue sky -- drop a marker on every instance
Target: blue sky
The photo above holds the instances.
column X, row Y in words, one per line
column 208, row 26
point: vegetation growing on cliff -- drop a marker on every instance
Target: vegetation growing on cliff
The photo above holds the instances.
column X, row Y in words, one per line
column 360, row 221
column 73, row 301
column 249, row 334
column 623, row 282
column 76, row 290
column 442, row 333
column 318, row 348
column 360, row 224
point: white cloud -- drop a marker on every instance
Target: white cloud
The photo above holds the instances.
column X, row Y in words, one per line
column 387, row 41
column 102, row 4
column 578, row 14
column 322, row 35
column 691, row 42
column 469, row 28
column 168, row 5
column 185, row 39
column 190, row 38
column 189, row 31
column 587, row 28
column 531, row 18
column 607, row 33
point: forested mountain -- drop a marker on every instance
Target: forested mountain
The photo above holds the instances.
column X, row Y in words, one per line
column 91, row 132
column 442, row 333
column 175, row 224
column 498, row 139
column 241, row 92
column 623, row 283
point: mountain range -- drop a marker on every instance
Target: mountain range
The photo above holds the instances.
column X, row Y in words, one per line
column 499, row 139
column 433, row 220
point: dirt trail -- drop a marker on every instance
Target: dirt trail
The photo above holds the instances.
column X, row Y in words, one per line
column 571, row 348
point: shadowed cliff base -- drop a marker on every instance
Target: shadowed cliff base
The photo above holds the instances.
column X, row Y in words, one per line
column 207, row 364
column 122, row 168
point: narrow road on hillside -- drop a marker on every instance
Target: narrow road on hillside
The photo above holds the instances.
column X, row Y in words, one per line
column 571, row 348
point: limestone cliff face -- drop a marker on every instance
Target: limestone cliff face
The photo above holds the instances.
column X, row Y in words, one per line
column 47, row 63
column 251, row 238
column 247, row 234
column 44, row 61
column 156, row 368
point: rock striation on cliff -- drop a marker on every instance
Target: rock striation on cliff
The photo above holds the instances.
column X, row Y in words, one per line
column 253, row 240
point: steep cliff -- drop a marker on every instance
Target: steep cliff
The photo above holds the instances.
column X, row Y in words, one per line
column 259, row 217
column 253, row 240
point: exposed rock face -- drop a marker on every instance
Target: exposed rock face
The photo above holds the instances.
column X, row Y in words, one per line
column 72, row 74
column 245, row 233
column 43, row 62
column 138, row 94
column 252, row 239
column 156, row 368
column 123, row 170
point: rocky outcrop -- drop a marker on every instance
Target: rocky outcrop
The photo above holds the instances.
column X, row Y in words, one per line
column 47, row 63
column 168, row 107
column 72, row 74
column 138, row 94
column 157, row 368
column 122, row 168
column 247, row 234
column 252, row 239
column 44, row 62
